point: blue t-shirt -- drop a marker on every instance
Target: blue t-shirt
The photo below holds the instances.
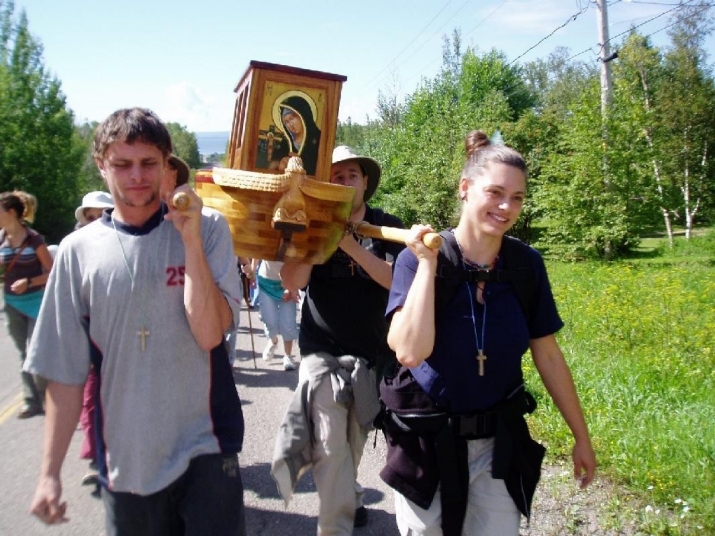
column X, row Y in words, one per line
column 451, row 373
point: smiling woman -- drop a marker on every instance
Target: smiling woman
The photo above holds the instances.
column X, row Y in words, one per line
column 461, row 357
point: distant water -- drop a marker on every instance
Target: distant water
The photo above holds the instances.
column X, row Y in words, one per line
column 212, row 142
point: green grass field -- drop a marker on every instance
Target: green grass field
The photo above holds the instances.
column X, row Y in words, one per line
column 640, row 339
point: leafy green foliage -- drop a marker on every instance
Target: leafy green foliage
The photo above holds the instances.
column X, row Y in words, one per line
column 421, row 146
column 638, row 338
column 89, row 177
column 39, row 150
column 185, row 144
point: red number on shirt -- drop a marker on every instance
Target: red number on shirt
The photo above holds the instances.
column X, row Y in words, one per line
column 175, row 276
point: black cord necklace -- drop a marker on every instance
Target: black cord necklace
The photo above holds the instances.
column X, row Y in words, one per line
column 481, row 357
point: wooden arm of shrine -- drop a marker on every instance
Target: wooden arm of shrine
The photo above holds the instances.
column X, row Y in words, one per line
column 392, row 234
column 181, row 201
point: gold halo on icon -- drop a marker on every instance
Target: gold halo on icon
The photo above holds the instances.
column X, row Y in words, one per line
column 293, row 93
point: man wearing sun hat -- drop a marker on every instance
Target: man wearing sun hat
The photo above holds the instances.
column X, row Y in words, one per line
column 343, row 344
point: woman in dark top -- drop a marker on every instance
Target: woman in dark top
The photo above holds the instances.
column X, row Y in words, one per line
column 25, row 264
column 467, row 358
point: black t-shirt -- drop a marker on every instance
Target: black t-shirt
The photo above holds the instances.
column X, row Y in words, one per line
column 344, row 309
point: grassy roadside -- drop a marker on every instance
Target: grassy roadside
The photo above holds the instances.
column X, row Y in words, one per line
column 640, row 339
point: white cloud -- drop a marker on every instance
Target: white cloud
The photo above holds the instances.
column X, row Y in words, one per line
column 525, row 19
column 187, row 105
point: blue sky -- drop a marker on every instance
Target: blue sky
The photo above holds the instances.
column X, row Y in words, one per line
column 183, row 59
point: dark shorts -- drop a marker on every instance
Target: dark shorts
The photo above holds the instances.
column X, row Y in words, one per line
column 206, row 499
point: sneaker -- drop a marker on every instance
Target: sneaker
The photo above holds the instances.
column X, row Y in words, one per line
column 270, row 351
column 28, row 411
column 288, row 363
column 90, row 479
column 360, row 517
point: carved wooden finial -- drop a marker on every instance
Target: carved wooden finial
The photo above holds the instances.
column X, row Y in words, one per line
column 295, row 165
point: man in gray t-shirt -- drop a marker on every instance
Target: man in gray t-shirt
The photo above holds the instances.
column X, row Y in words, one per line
column 145, row 294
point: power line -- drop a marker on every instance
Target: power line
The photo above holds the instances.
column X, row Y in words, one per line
column 420, row 71
column 570, row 20
column 678, row 6
column 508, row 93
column 664, row 4
column 435, row 33
column 470, row 32
column 408, row 44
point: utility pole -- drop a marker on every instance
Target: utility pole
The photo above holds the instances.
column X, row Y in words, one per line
column 605, row 55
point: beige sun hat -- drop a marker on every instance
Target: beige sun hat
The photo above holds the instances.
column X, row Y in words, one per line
column 93, row 200
column 372, row 169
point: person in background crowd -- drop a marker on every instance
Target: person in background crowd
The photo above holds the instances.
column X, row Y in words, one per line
column 25, row 264
column 466, row 358
column 151, row 290
column 278, row 312
column 93, row 204
column 343, row 348
column 245, row 271
column 91, row 208
column 176, row 174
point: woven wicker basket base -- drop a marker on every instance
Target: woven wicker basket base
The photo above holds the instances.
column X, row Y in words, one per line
column 250, row 212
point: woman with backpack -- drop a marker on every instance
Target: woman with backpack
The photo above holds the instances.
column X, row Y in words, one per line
column 462, row 318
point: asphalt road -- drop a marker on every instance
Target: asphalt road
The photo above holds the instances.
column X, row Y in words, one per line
column 265, row 392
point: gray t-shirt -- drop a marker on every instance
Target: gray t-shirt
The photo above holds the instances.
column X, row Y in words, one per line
column 161, row 407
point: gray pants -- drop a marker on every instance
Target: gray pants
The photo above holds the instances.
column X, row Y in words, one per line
column 20, row 328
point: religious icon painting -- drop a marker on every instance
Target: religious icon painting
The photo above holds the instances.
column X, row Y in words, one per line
column 281, row 112
column 294, row 118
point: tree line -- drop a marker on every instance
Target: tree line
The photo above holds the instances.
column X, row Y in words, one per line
column 597, row 183
column 42, row 150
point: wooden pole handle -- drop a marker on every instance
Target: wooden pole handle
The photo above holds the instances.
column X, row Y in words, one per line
column 181, row 201
column 393, row 234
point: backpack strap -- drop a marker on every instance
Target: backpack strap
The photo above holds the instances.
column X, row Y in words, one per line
column 517, row 270
column 521, row 273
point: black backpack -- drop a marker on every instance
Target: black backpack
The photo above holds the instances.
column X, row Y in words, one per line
column 517, row 270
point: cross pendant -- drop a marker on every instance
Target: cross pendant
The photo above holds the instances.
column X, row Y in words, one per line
column 143, row 333
column 352, row 267
column 481, row 358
